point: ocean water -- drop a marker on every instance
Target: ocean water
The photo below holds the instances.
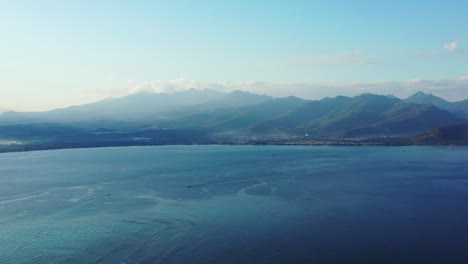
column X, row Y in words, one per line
column 235, row 204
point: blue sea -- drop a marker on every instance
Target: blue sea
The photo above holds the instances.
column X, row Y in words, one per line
column 235, row 204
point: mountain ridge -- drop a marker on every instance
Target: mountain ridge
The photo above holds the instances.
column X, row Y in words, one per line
column 210, row 117
column 141, row 105
column 459, row 108
column 345, row 116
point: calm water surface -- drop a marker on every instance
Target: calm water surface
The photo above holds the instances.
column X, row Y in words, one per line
column 235, row 204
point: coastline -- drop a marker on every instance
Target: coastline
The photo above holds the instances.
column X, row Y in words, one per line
column 395, row 142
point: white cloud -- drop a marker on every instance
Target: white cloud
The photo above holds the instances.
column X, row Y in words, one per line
column 451, row 47
column 169, row 86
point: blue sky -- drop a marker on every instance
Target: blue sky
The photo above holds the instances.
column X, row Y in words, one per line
column 57, row 53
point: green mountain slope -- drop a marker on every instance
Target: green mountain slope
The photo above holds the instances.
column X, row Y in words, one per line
column 450, row 135
column 364, row 115
column 459, row 108
column 141, row 106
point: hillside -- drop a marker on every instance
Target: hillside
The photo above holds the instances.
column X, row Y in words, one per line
column 459, row 108
column 237, row 118
column 364, row 115
column 450, row 135
column 141, row 106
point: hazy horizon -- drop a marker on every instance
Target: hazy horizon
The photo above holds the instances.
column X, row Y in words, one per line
column 61, row 53
column 227, row 92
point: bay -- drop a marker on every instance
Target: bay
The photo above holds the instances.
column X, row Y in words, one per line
column 235, row 204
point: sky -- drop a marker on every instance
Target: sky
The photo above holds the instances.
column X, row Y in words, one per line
column 65, row 52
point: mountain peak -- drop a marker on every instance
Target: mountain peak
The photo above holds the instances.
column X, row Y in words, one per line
column 459, row 108
column 200, row 91
column 240, row 92
column 421, row 93
column 426, row 98
column 371, row 95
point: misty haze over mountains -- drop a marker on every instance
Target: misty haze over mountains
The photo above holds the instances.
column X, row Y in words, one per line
column 139, row 104
column 208, row 116
column 143, row 105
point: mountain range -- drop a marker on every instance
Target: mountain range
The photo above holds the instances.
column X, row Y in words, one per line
column 140, row 106
column 208, row 116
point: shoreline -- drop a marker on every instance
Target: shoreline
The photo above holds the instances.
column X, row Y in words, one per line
column 30, row 148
